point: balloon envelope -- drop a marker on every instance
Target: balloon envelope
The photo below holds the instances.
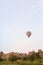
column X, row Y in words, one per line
column 28, row 33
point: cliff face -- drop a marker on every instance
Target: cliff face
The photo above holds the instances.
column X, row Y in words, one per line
column 40, row 53
column 2, row 55
column 10, row 54
column 18, row 55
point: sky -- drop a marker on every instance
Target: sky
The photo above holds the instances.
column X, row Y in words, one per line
column 16, row 18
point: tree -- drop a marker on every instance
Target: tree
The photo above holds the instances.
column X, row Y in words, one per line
column 31, row 58
column 12, row 58
column 1, row 59
column 25, row 58
column 37, row 56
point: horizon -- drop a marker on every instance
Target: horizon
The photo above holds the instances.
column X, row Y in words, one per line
column 22, row 52
column 16, row 18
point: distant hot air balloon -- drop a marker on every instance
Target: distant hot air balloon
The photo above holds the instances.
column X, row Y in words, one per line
column 28, row 33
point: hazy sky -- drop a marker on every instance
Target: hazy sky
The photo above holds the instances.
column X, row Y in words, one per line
column 16, row 18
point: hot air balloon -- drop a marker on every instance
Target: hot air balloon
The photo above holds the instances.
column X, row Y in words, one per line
column 28, row 33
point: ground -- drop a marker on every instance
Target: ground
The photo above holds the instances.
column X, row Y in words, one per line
column 21, row 63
